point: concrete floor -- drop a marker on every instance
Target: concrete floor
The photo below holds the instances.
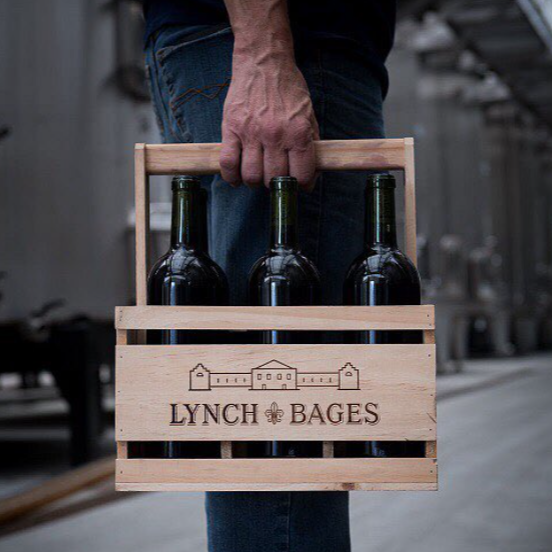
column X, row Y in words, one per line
column 495, row 478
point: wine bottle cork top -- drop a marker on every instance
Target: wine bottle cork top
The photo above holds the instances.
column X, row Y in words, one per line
column 381, row 180
column 283, row 182
column 185, row 182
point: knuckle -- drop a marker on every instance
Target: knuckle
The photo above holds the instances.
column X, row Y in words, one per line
column 301, row 133
column 272, row 132
column 252, row 176
column 228, row 162
column 233, row 123
column 302, row 127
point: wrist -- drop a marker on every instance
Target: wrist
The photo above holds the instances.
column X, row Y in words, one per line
column 265, row 44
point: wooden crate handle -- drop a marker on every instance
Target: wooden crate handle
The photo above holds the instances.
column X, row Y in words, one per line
column 331, row 155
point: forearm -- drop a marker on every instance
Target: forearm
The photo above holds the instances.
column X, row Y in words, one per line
column 268, row 122
column 261, row 29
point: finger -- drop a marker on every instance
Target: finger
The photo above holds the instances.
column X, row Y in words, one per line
column 252, row 165
column 302, row 165
column 275, row 164
column 230, row 156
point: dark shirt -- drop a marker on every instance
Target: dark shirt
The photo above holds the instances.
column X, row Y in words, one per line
column 367, row 25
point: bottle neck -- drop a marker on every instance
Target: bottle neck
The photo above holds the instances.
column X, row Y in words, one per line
column 381, row 227
column 186, row 220
column 283, row 218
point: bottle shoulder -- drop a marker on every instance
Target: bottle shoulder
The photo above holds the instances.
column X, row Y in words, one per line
column 185, row 262
column 284, row 263
column 383, row 263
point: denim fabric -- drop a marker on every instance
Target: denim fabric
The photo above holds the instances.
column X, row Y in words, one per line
column 278, row 522
column 190, row 71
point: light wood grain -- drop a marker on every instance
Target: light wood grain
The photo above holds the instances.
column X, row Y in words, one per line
column 429, row 336
column 400, row 379
column 55, row 489
column 328, row 449
column 142, row 222
column 419, row 317
column 331, row 155
column 226, row 449
column 230, row 487
column 431, row 449
column 122, row 450
column 278, row 471
column 410, row 201
column 122, row 337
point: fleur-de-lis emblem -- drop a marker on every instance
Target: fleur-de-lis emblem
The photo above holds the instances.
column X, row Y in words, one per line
column 274, row 414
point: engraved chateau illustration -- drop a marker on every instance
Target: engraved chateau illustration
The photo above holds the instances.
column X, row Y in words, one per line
column 273, row 376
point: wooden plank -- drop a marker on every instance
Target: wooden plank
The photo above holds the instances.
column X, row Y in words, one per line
column 421, row 317
column 328, row 449
column 122, row 337
column 226, row 449
column 99, row 495
column 331, row 155
column 55, row 489
column 122, row 450
column 431, row 446
column 142, row 223
column 410, row 201
column 265, row 392
column 278, row 471
column 431, row 449
column 204, row 487
column 429, row 336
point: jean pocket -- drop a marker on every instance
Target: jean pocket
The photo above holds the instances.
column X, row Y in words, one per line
column 196, row 73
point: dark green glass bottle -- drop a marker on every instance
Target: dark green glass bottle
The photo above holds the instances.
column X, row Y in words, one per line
column 203, row 221
column 284, row 277
column 382, row 275
column 186, row 275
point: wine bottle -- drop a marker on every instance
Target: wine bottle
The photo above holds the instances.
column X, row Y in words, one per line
column 186, row 275
column 382, row 275
column 203, row 221
column 284, row 277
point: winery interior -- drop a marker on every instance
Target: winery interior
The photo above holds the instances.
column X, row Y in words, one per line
column 471, row 81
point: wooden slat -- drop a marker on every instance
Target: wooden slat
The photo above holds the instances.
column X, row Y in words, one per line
column 142, row 223
column 198, row 487
column 276, row 318
column 399, row 379
column 328, row 449
column 226, row 449
column 277, row 471
column 122, row 450
column 55, row 489
column 431, row 449
column 410, row 202
column 331, row 155
column 429, row 336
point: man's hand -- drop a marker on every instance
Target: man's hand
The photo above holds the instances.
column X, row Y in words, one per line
column 268, row 124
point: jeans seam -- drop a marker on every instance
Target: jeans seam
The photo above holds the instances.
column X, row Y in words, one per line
column 208, row 34
column 159, row 98
column 149, row 80
column 170, row 108
column 186, row 96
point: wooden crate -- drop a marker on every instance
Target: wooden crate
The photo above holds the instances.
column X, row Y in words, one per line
column 233, row 393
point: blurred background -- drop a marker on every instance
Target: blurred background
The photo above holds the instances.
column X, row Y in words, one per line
column 471, row 80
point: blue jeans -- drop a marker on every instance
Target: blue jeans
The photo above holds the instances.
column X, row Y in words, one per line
column 190, row 71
